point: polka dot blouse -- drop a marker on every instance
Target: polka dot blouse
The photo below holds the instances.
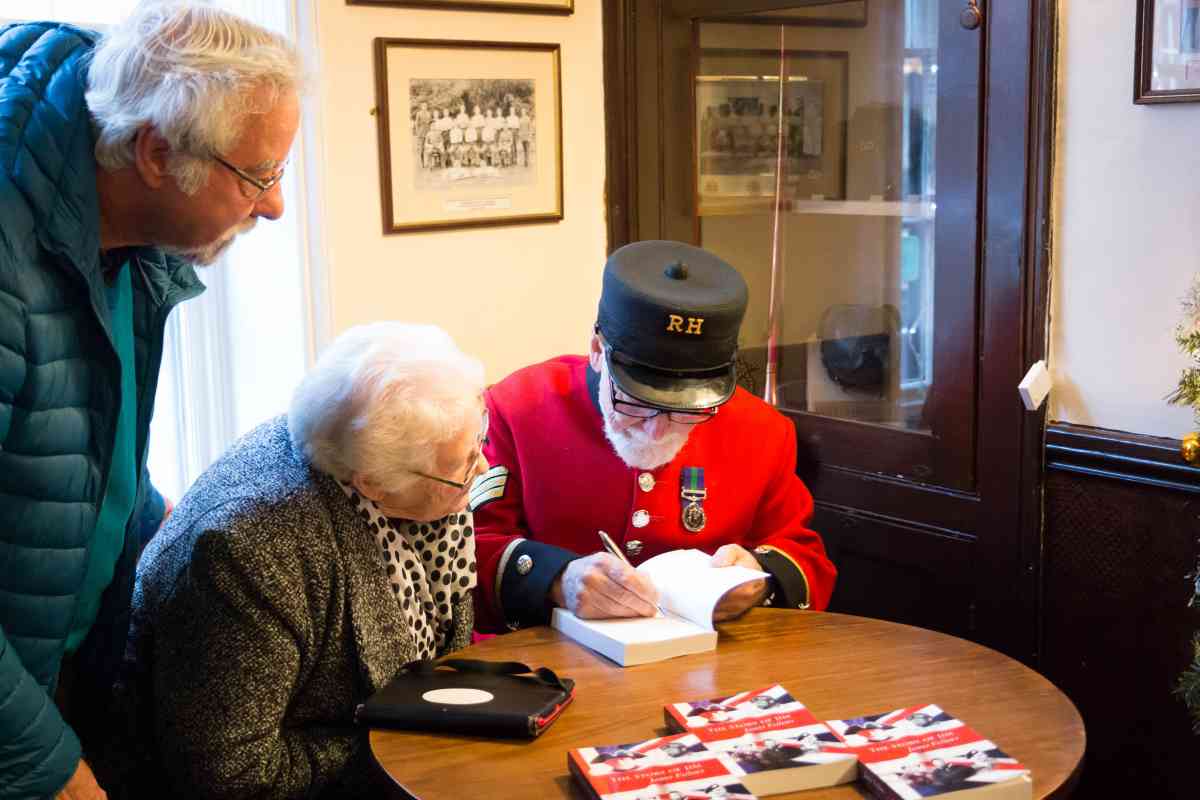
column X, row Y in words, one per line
column 430, row 566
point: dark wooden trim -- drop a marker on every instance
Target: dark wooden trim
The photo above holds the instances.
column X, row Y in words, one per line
column 1012, row 204
column 696, row 9
column 1119, row 456
column 871, row 448
column 802, row 22
column 1143, row 64
column 661, row 126
column 383, row 134
column 1043, row 125
column 620, row 97
column 951, row 513
column 969, row 158
column 467, row 5
column 694, row 55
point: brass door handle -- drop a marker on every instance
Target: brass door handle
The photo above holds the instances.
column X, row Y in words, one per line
column 971, row 16
column 1190, row 450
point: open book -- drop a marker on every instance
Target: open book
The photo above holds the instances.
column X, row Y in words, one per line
column 689, row 589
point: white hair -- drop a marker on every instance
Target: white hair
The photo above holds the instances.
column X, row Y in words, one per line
column 380, row 400
column 192, row 71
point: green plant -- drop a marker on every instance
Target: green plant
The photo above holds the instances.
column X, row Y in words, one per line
column 1188, row 394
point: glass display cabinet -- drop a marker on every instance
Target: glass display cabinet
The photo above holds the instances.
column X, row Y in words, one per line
column 878, row 172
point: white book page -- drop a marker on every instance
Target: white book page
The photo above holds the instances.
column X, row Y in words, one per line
column 690, row 586
column 640, row 630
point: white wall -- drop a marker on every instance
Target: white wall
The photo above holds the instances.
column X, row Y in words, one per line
column 509, row 295
column 1127, row 232
column 1127, row 207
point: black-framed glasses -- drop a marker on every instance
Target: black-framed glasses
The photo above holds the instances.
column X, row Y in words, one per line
column 471, row 462
column 632, row 408
column 261, row 186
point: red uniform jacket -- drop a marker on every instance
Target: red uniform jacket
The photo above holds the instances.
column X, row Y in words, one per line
column 564, row 482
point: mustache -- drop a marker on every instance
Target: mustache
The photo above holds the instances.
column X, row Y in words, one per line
column 208, row 254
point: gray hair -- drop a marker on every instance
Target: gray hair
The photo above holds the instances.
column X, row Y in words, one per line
column 193, row 72
column 380, row 400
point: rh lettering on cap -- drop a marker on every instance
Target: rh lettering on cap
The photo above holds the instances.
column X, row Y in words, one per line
column 675, row 324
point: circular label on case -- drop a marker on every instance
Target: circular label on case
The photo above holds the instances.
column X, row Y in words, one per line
column 458, row 697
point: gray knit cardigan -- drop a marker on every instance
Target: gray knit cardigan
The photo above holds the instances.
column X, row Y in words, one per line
column 262, row 616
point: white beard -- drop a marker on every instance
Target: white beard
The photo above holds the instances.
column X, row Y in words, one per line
column 640, row 451
column 208, row 254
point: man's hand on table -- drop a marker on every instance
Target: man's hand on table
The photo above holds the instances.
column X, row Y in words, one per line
column 740, row 599
column 601, row 586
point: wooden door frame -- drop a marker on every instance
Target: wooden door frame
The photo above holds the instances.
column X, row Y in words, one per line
column 1018, row 92
column 1016, row 259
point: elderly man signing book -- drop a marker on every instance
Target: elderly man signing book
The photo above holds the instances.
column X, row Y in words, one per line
column 649, row 439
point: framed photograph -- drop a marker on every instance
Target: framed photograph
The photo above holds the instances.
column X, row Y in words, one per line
column 528, row 6
column 1167, row 52
column 470, row 133
column 745, row 104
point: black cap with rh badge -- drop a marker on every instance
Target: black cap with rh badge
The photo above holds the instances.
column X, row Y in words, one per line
column 670, row 314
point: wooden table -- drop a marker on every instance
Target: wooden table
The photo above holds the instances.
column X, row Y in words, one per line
column 839, row 666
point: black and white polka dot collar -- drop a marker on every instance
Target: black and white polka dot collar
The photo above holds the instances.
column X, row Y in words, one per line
column 430, row 567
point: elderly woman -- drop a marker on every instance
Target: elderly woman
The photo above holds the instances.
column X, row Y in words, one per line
column 322, row 553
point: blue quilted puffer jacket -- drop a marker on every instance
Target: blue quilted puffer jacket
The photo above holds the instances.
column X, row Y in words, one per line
column 59, row 398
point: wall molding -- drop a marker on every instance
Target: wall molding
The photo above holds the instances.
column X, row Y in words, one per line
column 1129, row 457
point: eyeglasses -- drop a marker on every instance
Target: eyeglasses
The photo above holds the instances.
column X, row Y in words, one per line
column 644, row 411
column 261, row 186
column 471, row 462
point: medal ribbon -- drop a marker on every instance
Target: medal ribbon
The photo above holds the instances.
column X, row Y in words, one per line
column 691, row 497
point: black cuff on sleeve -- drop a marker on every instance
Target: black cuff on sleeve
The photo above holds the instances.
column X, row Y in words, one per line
column 788, row 584
column 524, row 598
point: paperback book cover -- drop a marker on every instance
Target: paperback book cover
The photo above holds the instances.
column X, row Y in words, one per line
column 771, row 737
column 922, row 751
column 755, row 711
column 668, row 767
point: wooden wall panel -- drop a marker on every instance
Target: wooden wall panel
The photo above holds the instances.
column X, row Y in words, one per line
column 1115, row 624
column 897, row 572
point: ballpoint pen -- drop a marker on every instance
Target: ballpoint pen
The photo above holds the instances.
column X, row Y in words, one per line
column 612, row 548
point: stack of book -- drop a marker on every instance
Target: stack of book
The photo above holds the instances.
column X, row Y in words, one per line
column 765, row 742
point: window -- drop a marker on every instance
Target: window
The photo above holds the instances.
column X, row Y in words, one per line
column 232, row 356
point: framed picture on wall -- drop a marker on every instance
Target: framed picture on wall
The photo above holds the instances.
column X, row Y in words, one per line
column 1167, row 52
column 745, row 104
column 529, row 6
column 470, row 133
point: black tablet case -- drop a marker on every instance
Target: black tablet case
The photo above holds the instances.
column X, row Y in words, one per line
column 524, row 701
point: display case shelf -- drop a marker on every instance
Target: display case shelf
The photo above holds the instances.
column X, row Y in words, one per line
column 740, row 206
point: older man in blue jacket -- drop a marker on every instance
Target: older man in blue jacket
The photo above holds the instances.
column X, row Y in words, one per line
column 122, row 161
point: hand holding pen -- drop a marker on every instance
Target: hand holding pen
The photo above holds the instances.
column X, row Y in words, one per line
column 611, row 547
column 605, row 585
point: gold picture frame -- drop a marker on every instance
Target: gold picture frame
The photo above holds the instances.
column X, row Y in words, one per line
column 520, row 6
column 470, row 133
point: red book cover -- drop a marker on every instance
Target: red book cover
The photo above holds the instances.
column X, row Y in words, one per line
column 667, row 768
column 922, row 751
column 756, row 711
column 771, row 736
